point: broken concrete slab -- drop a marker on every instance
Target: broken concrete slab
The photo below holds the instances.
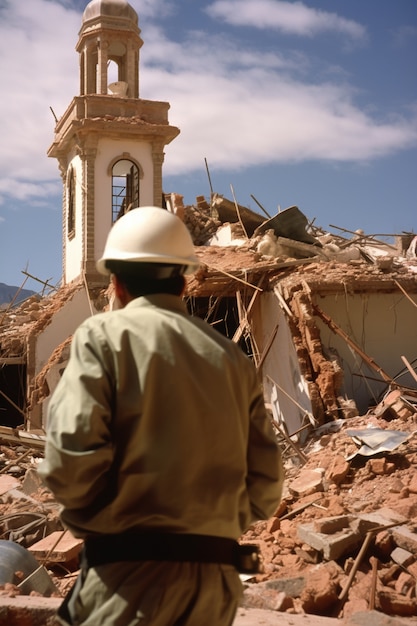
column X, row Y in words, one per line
column 405, row 538
column 308, row 481
column 380, row 517
column 28, row 610
column 332, row 546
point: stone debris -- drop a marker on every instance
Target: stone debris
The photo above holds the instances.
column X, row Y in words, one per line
column 317, row 550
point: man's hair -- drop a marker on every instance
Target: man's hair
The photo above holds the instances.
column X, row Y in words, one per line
column 141, row 279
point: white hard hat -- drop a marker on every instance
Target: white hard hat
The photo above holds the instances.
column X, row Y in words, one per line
column 149, row 235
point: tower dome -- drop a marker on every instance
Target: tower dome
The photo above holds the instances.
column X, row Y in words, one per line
column 110, row 9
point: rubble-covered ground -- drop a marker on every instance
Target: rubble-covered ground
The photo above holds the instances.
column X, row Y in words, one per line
column 344, row 539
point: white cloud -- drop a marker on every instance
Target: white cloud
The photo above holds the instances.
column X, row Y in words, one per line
column 294, row 18
column 38, row 70
column 153, row 8
column 238, row 125
column 37, row 191
column 242, row 108
column 237, row 106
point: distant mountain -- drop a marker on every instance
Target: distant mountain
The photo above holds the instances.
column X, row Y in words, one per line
column 8, row 292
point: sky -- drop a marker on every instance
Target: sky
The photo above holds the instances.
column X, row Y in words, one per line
column 309, row 103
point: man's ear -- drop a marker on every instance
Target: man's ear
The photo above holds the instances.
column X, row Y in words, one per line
column 120, row 290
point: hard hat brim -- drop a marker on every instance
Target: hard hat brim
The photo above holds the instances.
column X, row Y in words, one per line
column 192, row 265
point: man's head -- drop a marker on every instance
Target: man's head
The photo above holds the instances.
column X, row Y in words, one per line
column 149, row 250
column 132, row 280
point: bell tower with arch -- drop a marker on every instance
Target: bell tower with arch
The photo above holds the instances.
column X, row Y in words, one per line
column 109, row 143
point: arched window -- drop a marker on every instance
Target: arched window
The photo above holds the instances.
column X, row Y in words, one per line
column 71, row 202
column 125, row 188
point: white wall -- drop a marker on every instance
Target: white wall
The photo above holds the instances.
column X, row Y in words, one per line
column 63, row 324
column 384, row 326
column 108, row 150
column 288, row 393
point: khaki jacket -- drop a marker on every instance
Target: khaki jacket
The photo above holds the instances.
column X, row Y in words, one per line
column 158, row 423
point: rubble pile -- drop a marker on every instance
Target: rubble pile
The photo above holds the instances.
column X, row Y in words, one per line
column 343, row 540
column 345, row 536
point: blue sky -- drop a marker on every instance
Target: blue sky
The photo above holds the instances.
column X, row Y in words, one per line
column 305, row 103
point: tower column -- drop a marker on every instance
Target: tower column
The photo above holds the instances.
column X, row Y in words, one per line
column 102, row 52
column 88, row 156
column 88, row 76
column 132, row 74
column 158, row 159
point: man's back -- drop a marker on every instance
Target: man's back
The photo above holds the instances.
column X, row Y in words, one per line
column 179, row 402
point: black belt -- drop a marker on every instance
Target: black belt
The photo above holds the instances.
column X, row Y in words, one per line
column 102, row 549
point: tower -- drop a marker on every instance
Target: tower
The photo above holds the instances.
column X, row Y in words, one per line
column 109, row 143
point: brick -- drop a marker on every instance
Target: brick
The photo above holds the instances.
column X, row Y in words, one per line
column 329, row 525
column 407, row 507
column 380, row 467
column 405, row 584
column 58, row 547
column 413, row 484
column 321, row 590
column 393, row 603
column 338, row 470
column 7, row 483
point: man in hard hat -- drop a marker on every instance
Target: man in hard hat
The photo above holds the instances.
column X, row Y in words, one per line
column 158, row 445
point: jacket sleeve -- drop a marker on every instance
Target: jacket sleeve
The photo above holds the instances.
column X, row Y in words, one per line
column 78, row 450
column 265, row 468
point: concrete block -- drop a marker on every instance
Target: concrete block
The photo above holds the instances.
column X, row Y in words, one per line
column 405, row 539
column 381, row 517
column 331, row 546
column 402, row 557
